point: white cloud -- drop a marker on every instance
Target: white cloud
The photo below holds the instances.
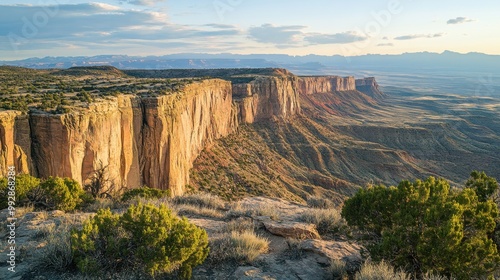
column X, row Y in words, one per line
column 418, row 36
column 294, row 36
column 25, row 27
column 143, row 2
column 338, row 38
column 459, row 20
column 279, row 35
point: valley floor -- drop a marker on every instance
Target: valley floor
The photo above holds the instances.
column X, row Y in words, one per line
column 344, row 140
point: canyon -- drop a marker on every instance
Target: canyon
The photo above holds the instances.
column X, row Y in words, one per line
column 150, row 141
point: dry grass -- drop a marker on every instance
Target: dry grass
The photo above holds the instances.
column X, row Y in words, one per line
column 319, row 202
column 187, row 210
column 239, row 225
column 380, row 271
column 45, row 231
column 431, row 276
column 204, row 200
column 338, row 270
column 237, row 210
column 327, row 221
column 21, row 211
column 154, row 201
column 56, row 254
column 237, row 247
column 267, row 211
column 100, row 203
column 248, row 245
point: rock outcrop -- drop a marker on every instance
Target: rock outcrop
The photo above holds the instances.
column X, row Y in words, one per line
column 325, row 84
column 296, row 230
column 335, row 250
column 369, row 86
column 266, row 98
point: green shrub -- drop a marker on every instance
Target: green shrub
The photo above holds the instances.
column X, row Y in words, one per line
column 144, row 192
column 87, row 200
column 148, row 238
column 428, row 227
column 24, row 184
column 57, row 194
column 100, row 244
column 484, row 186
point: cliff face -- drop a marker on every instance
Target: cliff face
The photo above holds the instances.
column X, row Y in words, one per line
column 313, row 85
column 268, row 98
column 178, row 127
column 74, row 145
column 15, row 144
column 369, row 86
column 151, row 141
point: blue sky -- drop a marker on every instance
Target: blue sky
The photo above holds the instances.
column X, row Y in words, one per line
column 156, row 27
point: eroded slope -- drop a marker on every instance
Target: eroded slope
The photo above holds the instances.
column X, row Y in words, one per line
column 347, row 139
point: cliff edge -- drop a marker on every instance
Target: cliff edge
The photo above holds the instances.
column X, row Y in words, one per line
column 152, row 140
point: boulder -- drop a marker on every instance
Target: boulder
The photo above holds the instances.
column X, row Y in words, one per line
column 348, row 252
column 295, row 230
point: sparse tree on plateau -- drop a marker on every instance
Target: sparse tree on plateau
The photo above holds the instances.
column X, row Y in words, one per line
column 426, row 226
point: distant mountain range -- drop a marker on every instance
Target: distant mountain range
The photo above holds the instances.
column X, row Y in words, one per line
column 448, row 72
column 432, row 61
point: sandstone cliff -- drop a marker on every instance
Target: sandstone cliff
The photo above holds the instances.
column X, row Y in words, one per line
column 15, row 143
column 270, row 97
column 326, row 84
column 74, row 145
column 152, row 140
column 369, row 86
column 178, row 127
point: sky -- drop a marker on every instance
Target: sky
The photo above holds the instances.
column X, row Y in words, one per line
column 40, row 28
